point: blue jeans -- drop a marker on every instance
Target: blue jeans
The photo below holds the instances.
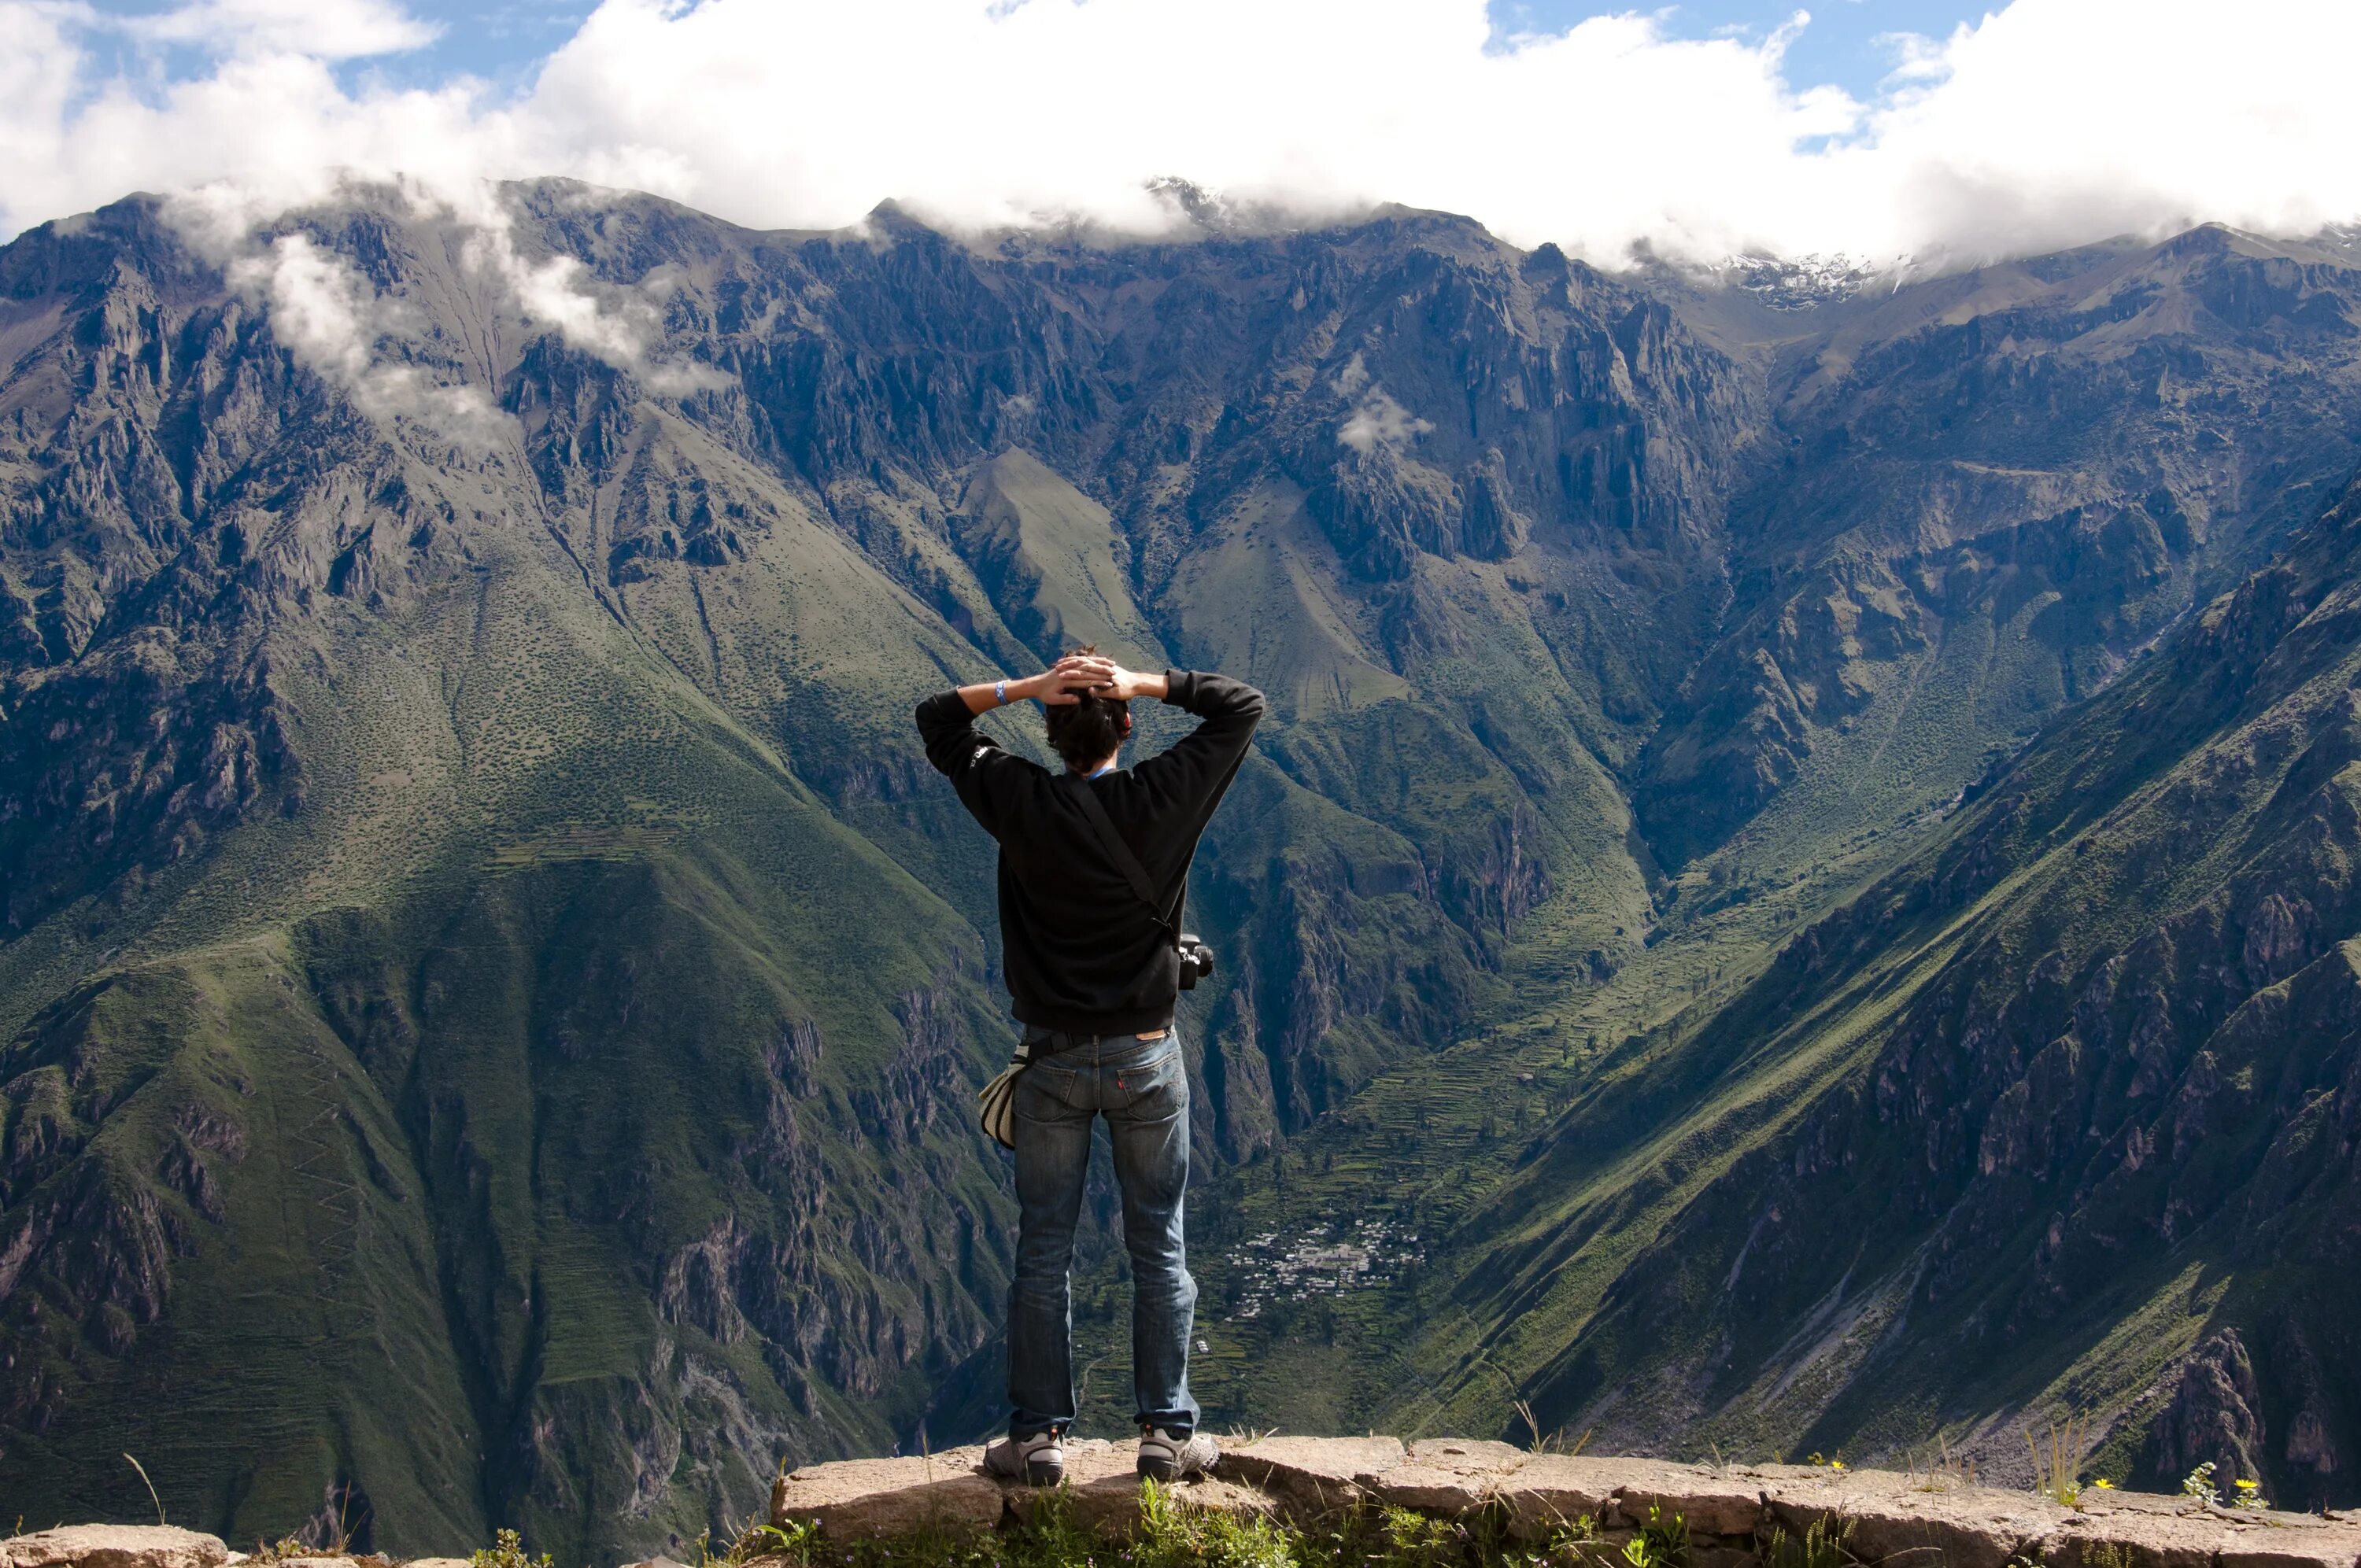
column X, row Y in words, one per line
column 1141, row 1088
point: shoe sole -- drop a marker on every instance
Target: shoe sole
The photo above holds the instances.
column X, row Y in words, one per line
column 1163, row 1471
column 1039, row 1472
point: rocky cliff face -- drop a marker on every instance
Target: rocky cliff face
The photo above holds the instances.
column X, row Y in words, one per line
column 470, row 887
column 2086, row 1117
column 2008, row 482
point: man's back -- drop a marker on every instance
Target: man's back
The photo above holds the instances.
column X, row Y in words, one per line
column 1082, row 951
column 1094, row 970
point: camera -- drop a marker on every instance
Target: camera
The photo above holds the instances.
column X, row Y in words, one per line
column 1196, row 959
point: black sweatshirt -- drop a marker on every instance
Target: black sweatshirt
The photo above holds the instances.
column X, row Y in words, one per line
column 1081, row 953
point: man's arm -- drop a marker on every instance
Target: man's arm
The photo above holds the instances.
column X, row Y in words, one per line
column 1199, row 767
column 1056, row 687
column 947, row 720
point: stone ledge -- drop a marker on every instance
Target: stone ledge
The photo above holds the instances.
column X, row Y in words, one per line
column 1904, row 1521
column 114, row 1546
column 861, row 1498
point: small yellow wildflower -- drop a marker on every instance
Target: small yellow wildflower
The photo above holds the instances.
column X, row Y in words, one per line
column 2103, row 1485
column 1836, row 1465
column 2245, row 1486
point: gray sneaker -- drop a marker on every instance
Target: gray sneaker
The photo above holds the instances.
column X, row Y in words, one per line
column 1168, row 1456
column 1038, row 1460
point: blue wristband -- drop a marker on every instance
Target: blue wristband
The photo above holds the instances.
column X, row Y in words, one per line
column 1000, row 692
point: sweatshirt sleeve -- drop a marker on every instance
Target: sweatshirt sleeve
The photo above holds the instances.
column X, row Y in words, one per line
column 963, row 754
column 1194, row 773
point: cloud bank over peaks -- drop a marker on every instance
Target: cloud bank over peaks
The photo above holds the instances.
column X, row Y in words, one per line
column 338, row 325
column 2049, row 122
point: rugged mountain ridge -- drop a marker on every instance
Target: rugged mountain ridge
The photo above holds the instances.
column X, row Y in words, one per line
column 2099, row 1105
column 2054, row 1123
column 471, row 889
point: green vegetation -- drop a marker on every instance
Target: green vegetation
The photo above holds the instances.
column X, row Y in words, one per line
column 507, row 1550
column 1661, row 1542
column 1173, row 1534
column 2056, row 1474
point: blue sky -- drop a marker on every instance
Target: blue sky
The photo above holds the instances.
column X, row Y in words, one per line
column 499, row 42
column 503, row 41
column 1841, row 46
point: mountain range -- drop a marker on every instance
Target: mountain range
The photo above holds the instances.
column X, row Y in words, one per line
column 1797, row 894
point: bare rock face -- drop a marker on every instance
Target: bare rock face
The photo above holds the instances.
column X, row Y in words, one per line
column 2213, row 1414
column 1731, row 1513
column 1549, row 1491
column 114, row 1546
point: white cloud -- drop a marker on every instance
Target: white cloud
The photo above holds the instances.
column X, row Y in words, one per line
column 1376, row 420
column 2051, row 123
column 331, row 318
column 326, row 29
column 616, row 325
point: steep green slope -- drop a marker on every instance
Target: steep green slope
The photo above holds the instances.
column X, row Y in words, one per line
column 2058, row 1117
column 1996, row 488
column 565, row 1055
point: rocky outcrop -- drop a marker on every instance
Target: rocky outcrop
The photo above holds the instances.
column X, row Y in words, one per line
column 1735, row 1516
column 114, row 1546
column 2214, row 1414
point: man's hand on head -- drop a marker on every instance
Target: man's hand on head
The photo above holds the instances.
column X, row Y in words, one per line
column 1122, row 684
column 1061, row 684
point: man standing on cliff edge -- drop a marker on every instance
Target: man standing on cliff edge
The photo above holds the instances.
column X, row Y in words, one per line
column 1094, row 873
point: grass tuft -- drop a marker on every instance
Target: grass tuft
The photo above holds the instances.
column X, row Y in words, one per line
column 1827, row 1544
column 507, row 1551
column 2056, row 1475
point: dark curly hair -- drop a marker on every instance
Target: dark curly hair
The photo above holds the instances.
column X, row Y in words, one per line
column 1085, row 733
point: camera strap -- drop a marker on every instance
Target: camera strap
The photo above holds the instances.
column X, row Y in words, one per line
column 1120, row 852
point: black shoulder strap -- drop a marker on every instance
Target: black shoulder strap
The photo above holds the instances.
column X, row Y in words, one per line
column 1120, row 852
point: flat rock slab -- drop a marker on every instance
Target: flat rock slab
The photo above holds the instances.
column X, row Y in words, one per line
column 114, row 1546
column 1712, row 1502
column 2172, row 1533
column 1447, row 1475
column 1893, row 1520
column 857, row 1497
column 949, row 1492
column 1313, row 1474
